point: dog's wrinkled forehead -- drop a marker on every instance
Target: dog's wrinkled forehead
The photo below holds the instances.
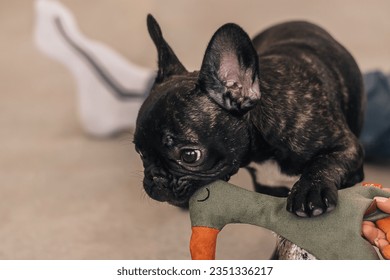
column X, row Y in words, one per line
column 176, row 109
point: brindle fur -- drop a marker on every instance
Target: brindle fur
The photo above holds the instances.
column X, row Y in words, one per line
column 293, row 94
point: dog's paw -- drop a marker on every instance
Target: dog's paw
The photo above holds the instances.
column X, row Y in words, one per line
column 308, row 200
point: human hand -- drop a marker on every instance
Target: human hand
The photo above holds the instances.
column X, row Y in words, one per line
column 378, row 233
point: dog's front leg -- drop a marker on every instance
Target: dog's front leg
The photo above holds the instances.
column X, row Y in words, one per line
column 316, row 190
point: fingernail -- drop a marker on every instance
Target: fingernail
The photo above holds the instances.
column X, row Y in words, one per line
column 381, row 199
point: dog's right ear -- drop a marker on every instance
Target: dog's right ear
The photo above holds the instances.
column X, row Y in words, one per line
column 230, row 70
column 168, row 63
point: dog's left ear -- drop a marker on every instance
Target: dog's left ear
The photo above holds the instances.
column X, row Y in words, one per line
column 230, row 69
column 168, row 63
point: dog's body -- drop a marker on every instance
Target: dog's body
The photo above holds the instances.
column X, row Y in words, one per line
column 293, row 95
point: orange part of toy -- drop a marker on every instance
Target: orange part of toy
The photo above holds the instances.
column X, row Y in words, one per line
column 369, row 184
column 203, row 243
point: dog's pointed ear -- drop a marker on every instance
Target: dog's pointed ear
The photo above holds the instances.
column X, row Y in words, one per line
column 168, row 63
column 230, row 69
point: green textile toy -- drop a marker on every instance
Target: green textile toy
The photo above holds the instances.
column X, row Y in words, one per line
column 334, row 235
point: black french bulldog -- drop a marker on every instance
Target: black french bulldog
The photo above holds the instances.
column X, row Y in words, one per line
column 293, row 94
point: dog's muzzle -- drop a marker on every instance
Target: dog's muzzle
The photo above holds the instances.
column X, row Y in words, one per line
column 162, row 186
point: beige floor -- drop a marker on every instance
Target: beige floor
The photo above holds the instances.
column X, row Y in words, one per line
column 64, row 195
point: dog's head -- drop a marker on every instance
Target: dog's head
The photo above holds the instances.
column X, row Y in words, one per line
column 192, row 129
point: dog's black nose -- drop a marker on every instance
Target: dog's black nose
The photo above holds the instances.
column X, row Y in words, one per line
column 160, row 182
column 155, row 171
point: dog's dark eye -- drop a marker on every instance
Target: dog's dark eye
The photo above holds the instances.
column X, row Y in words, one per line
column 190, row 156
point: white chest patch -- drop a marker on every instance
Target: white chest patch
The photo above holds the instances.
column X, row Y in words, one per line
column 269, row 174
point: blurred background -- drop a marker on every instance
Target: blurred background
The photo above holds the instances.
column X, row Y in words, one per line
column 67, row 195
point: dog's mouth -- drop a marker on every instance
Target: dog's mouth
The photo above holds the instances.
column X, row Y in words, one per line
column 176, row 191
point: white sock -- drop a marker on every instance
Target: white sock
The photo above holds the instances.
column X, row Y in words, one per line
column 104, row 78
